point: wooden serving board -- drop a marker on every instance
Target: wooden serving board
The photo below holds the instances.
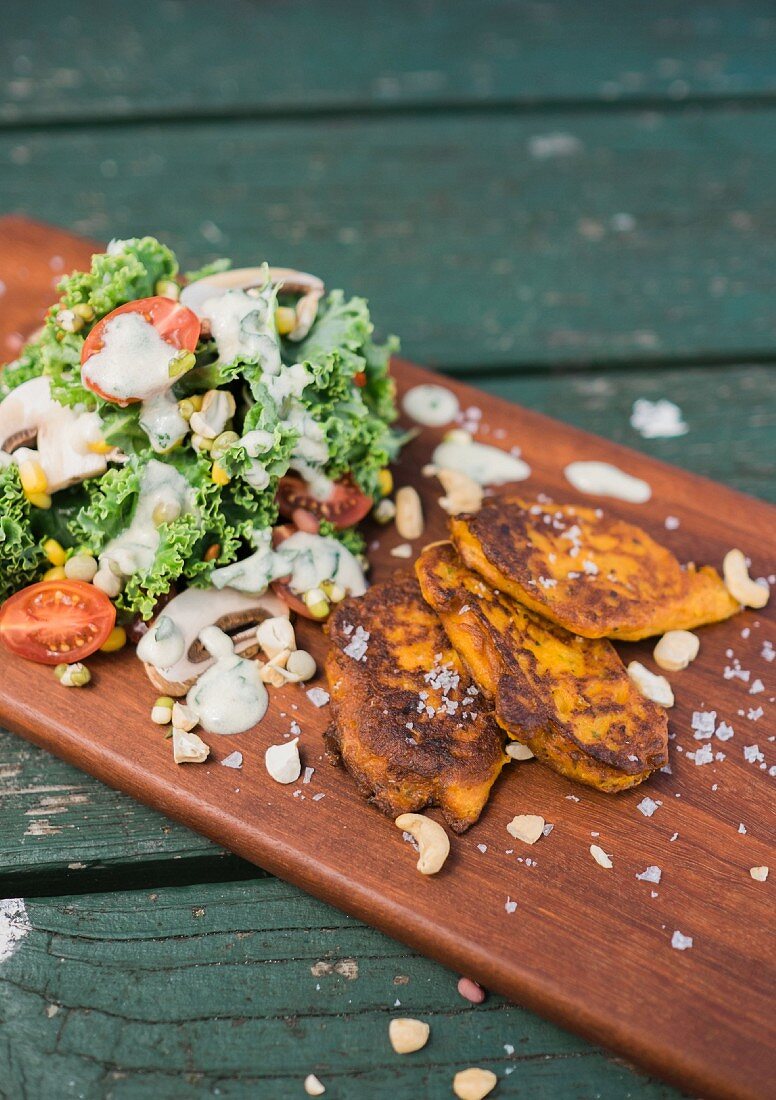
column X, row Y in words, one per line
column 589, row 948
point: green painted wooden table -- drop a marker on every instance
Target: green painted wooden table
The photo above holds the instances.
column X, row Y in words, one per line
column 570, row 205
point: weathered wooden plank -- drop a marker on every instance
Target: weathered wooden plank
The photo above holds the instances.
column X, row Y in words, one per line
column 645, row 240
column 240, row 990
column 56, row 822
column 82, row 62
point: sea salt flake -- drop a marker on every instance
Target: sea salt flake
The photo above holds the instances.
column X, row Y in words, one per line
column 752, row 754
column 319, row 796
column 703, row 721
column 767, row 651
column 704, row 755
column 647, row 806
column 510, row 905
column 680, row 942
column 756, row 687
column 754, row 714
column 742, row 828
column 308, row 774
column 671, row 523
column 600, row 856
column 723, row 732
column 652, row 874
column 482, row 848
column 358, row 645
column 318, row 697
column 233, row 760
column 674, row 837
column 759, row 874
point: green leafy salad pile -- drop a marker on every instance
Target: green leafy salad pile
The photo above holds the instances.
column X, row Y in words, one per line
column 347, row 401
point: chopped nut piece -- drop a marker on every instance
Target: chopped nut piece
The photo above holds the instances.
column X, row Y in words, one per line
column 526, row 827
column 473, row 1083
column 183, row 717
column 282, row 761
column 516, row 751
column 600, row 856
column 188, row 748
column 433, row 842
column 408, row 1035
column 739, row 584
column 676, row 649
column 312, row 1086
column 403, row 550
column 301, row 664
column 759, row 874
column 462, row 493
column 276, row 634
column 385, row 511
column 651, row 686
column 409, row 513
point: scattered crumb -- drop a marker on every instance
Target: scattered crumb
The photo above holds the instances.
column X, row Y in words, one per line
column 600, row 856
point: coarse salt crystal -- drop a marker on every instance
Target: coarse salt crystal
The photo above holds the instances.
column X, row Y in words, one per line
column 752, row 754
column 680, row 942
column 647, row 806
column 652, row 874
column 742, row 828
column 318, row 697
column 358, row 645
column 482, row 848
column 671, row 523
column 526, row 827
column 233, row 760
column 704, row 755
column 723, row 732
column 757, row 687
column 308, row 774
column 703, row 722
column 754, row 714
column 759, row 874
column 510, row 905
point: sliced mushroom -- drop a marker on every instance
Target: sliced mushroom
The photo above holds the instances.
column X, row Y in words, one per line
column 187, row 615
column 310, row 287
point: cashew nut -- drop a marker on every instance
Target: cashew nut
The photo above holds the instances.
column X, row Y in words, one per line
column 463, row 494
column 516, row 751
column 432, row 840
column 218, row 407
column 407, row 1035
column 739, row 584
column 676, row 649
column 474, row 1083
column 188, row 748
column 409, row 513
column 651, row 686
column 282, row 761
column 275, row 634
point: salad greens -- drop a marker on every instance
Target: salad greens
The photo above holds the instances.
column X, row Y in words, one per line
column 320, row 408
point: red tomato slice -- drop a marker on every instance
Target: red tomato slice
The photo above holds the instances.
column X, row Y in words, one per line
column 345, row 506
column 176, row 324
column 56, row 622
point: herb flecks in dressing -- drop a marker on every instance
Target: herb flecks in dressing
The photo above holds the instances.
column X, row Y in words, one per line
column 163, row 487
column 431, row 405
column 134, row 361
column 604, row 480
column 243, row 324
column 230, row 697
column 161, row 420
column 482, row 463
column 307, row 560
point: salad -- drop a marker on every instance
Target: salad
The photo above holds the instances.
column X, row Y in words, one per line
column 222, row 432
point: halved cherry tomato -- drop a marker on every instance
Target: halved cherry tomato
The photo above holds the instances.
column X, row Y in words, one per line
column 360, row 378
column 177, row 326
column 345, row 506
column 280, row 587
column 56, row 622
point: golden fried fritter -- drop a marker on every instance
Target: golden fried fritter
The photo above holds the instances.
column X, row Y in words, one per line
column 568, row 698
column 591, row 573
column 410, row 725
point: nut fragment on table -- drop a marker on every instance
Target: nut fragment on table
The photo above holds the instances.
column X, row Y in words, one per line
column 462, row 493
column 739, row 584
column 312, row 1086
column 759, row 874
column 600, row 856
column 526, row 827
column 183, row 717
column 432, row 840
column 651, row 686
column 676, row 649
column 282, row 761
column 408, row 1035
column 409, row 513
column 188, row 748
column 474, row 1083
column 516, row 751
column 276, row 634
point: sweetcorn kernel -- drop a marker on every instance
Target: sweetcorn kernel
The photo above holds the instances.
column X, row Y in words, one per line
column 55, row 552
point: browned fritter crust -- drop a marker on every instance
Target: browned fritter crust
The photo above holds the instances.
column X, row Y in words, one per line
column 591, row 573
column 410, row 725
column 568, row 698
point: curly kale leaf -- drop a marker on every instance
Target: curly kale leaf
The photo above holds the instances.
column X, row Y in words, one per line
column 20, row 553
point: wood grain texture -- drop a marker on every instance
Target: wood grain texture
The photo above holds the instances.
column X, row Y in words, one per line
column 81, row 63
column 668, row 1010
column 246, row 988
column 641, row 242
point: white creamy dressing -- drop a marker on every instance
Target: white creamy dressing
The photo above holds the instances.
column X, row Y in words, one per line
column 63, row 434
column 243, row 324
column 161, row 420
column 230, row 697
column 482, row 463
column 310, row 452
column 134, row 550
column 134, row 362
column 431, row 405
column 603, row 479
column 167, row 643
column 307, row 560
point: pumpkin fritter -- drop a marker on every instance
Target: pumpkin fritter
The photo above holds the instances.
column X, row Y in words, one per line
column 410, row 725
column 568, row 698
column 591, row 573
